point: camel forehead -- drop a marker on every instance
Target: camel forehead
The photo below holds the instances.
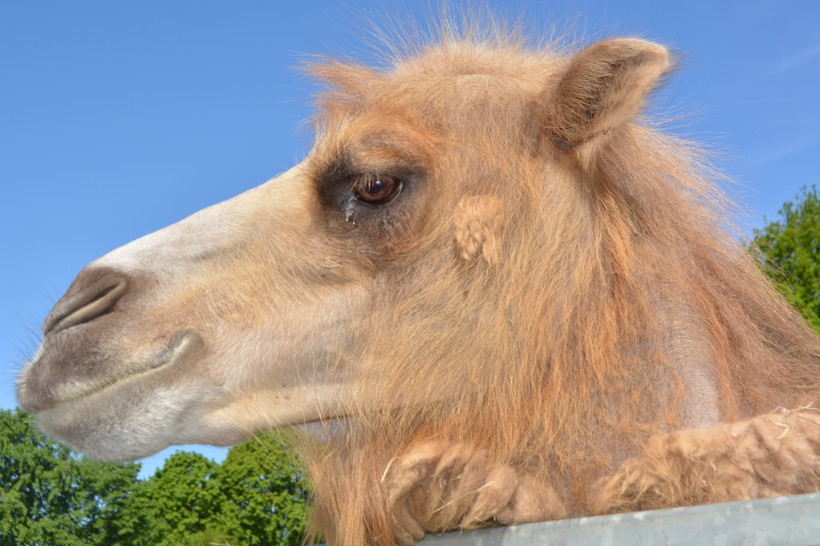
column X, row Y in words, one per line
column 442, row 80
column 427, row 111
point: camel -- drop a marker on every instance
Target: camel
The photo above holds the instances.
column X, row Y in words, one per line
column 492, row 293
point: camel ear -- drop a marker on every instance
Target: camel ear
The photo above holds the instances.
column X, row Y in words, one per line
column 605, row 86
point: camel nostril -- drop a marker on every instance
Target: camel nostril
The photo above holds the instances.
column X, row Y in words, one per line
column 84, row 302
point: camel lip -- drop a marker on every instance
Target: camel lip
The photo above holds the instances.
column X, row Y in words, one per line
column 181, row 347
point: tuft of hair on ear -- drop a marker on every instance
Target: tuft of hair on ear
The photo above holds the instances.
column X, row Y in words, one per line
column 478, row 222
column 604, row 87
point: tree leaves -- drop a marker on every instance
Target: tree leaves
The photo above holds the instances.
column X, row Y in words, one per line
column 175, row 503
column 50, row 495
column 788, row 250
column 264, row 492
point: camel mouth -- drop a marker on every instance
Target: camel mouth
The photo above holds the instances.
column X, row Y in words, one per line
column 180, row 349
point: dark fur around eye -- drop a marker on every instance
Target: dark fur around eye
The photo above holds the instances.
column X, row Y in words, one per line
column 342, row 184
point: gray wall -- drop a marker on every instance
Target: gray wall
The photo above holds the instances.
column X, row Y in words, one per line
column 784, row 520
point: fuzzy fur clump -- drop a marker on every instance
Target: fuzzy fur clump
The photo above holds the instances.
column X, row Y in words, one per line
column 609, row 326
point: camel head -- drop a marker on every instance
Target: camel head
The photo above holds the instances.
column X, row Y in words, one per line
column 443, row 206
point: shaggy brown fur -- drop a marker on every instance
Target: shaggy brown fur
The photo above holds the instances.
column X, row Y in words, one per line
column 611, row 306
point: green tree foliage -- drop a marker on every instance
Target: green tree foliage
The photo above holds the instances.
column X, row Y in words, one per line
column 49, row 495
column 262, row 492
column 257, row 496
column 789, row 252
column 171, row 507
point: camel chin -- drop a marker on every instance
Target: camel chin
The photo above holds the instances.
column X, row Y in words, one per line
column 125, row 417
column 143, row 412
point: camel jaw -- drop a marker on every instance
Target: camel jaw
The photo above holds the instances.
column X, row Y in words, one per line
column 114, row 418
column 145, row 411
column 38, row 393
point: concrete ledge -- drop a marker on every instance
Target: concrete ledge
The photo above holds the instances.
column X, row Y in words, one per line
column 782, row 521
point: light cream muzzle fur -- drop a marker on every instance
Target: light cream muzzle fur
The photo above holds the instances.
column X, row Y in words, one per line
column 221, row 325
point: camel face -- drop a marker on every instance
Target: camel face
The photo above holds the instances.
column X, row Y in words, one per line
column 202, row 332
column 261, row 311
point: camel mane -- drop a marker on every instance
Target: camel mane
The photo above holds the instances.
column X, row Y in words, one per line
column 555, row 350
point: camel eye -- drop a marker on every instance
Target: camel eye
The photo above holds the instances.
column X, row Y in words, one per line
column 377, row 189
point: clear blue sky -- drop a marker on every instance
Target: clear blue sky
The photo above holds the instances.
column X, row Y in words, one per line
column 118, row 118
